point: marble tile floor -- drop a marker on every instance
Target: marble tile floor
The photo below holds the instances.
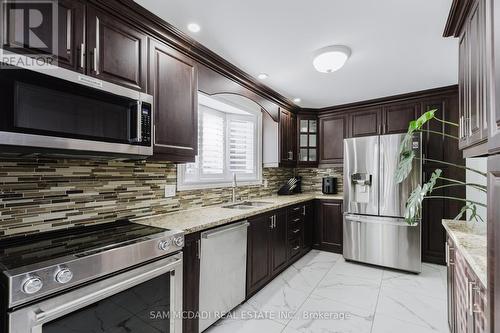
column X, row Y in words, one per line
column 323, row 293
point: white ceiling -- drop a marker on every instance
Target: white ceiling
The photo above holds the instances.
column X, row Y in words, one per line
column 396, row 44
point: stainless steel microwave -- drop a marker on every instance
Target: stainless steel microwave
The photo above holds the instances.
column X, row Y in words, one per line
column 56, row 111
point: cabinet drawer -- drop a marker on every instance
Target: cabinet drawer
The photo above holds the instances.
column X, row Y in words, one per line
column 296, row 212
column 294, row 247
column 296, row 230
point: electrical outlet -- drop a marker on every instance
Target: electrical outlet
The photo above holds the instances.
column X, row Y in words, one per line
column 170, row 191
column 266, row 183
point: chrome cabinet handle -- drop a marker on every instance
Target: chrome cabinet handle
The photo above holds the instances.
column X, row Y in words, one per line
column 272, row 222
column 296, row 248
column 198, row 248
column 296, row 231
column 82, row 55
column 470, row 303
column 304, row 210
column 96, row 69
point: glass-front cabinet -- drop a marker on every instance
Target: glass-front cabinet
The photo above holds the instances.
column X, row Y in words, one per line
column 308, row 140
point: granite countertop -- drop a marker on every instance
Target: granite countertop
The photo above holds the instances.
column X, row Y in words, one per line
column 471, row 242
column 193, row 220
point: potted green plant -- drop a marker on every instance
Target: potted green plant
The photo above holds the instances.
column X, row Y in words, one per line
column 422, row 192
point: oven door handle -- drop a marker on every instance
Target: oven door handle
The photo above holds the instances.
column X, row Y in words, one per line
column 32, row 318
column 103, row 293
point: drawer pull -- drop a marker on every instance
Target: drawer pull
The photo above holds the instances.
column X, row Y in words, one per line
column 296, row 248
column 296, row 209
column 296, row 231
column 296, row 220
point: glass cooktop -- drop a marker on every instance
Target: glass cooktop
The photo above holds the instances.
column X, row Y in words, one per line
column 30, row 249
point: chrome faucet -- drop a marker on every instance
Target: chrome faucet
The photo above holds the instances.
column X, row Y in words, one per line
column 235, row 186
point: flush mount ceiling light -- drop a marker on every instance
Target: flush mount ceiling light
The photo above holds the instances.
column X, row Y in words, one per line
column 262, row 76
column 297, row 100
column 194, row 27
column 331, row 58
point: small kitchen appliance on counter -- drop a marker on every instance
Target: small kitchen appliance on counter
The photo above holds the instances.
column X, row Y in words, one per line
column 329, row 185
column 292, row 186
column 51, row 280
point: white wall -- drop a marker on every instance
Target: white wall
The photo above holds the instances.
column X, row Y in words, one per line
column 479, row 163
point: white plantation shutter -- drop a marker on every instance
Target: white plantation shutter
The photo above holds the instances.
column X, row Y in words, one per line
column 241, row 146
column 212, row 142
column 228, row 143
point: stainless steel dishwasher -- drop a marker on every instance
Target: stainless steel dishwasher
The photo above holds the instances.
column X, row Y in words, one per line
column 222, row 271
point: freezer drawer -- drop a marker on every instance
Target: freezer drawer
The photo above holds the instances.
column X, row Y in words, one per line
column 383, row 241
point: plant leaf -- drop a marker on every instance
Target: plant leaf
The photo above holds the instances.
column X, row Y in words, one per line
column 434, row 177
column 414, row 203
column 405, row 166
column 425, row 118
column 473, row 216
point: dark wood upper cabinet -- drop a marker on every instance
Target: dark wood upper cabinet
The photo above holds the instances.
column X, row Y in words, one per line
column 307, row 140
column 174, row 85
column 332, row 132
column 259, row 252
column 288, row 138
column 71, row 42
column 365, row 122
column 473, row 78
column 329, row 234
column 117, row 51
column 397, row 117
column 70, row 35
column 494, row 110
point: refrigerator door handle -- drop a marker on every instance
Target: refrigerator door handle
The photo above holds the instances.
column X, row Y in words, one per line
column 379, row 220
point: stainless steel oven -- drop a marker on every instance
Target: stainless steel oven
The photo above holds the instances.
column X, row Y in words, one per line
column 147, row 299
column 110, row 278
column 55, row 110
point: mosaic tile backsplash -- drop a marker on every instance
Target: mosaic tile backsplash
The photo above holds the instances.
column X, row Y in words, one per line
column 44, row 194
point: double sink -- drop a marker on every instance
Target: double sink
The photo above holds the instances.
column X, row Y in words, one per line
column 247, row 205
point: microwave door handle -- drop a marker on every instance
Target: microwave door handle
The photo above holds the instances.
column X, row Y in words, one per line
column 138, row 125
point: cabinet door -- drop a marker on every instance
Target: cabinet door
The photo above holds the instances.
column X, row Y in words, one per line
column 330, row 226
column 461, row 293
column 494, row 139
column 307, row 140
column 258, row 253
column 288, row 137
column 70, row 35
column 397, row 117
column 174, row 85
column 117, row 52
column 366, row 122
column 464, row 88
column 493, row 232
column 279, row 242
column 333, row 131
column 191, row 281
column 476, row 74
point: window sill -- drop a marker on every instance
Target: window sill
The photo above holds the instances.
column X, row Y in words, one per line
column 202, row 186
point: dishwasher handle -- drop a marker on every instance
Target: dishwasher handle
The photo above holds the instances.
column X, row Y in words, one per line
column 223, row 230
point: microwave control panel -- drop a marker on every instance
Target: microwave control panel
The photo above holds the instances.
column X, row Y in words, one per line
column 146, row 126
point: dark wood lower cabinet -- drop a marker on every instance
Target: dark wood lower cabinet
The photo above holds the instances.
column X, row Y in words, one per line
column 329, row 228
column 258, row 252
column 467, row 296
column 191, row 281
column 279, row 242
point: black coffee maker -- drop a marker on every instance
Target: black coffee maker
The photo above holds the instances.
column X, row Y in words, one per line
column 329, row 185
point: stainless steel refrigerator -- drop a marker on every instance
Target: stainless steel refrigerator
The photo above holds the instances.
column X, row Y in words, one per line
column 375, row 231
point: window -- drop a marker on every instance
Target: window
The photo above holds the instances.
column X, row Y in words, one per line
column 229, row 142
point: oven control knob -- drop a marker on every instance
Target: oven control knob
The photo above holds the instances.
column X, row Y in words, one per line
column 164, row 245
column 64, row 275
column 32, row 285
column 179, row 241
